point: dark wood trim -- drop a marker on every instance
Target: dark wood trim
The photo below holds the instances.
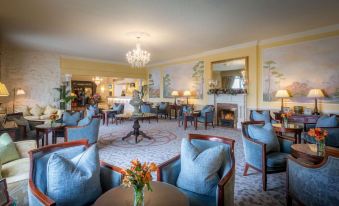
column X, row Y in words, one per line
column 35, row 191
column 162, row 165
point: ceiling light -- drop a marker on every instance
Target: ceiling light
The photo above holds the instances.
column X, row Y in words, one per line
column 97, row 80
column 138, row 57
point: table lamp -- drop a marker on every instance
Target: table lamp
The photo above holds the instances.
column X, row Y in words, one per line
column 3, row 90
column 315, row 93
column 283, row 93
column 187, row 94
column 175, row 94
column 17, row 92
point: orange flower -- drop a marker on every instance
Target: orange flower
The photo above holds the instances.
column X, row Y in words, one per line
column 318, row 134
column 135, row 162
column 153, row 167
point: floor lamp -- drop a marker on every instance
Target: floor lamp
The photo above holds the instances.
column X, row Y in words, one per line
column 282, row 94
column 315, row 93
column 187, row 94
column 17, row 92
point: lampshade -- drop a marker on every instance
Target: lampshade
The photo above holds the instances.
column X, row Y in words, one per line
column 315, row 93
column 187, row 93
column 175, row 93
column 283, row 93
column 20, row 92
column 3, row 90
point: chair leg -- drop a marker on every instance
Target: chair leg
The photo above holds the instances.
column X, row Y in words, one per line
column 264, row 181
column 246, row 169
column 288, row 200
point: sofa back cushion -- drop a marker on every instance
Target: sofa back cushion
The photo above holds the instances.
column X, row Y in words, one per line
column 74, row 181
column 265, row 134
column 199, row 168
column 71, row 119
column 37, row 110
column 8, row 150
column 327, row 121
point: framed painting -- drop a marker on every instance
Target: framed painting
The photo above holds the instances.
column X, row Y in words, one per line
column 300, row 67
column 154, row 83
column 182, row 77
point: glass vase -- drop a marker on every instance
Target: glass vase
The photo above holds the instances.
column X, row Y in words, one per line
column 285, row 122
column 52, row 123
column 320, row 147
column 138, row 195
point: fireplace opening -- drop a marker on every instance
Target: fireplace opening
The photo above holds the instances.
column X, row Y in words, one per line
column 227, row 118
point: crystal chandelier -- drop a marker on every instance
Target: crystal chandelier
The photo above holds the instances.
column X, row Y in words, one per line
column 138, row 57
column 97, row 80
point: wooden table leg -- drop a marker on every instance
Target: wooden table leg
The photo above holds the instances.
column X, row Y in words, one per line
column 106, row 118
column 46, row 135
column 37, row 138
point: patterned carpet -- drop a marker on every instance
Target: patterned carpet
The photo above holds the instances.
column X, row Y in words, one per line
column 166, row 145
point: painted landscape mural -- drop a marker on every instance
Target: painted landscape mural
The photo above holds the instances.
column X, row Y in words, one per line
column 181, row 77
column 154, row 83
column 301, row 67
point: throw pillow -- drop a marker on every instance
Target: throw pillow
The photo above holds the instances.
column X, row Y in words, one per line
column 84, row 121
column 36, row 110
column 74, row 181
column 50, row 110
column 264, row 116
column 265, row 134
column 327, row 121
column 71, row 119
column 8, row 150
column 199, row 169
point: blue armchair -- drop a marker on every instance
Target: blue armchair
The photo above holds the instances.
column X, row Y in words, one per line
column 89, row 131
column 206, row 115
column 110, row 176
column 169, row 171
column 183, row 113
column 261, row 115
column 314, row 185
column 258, row 159
column 147, row 108
column 162, row 109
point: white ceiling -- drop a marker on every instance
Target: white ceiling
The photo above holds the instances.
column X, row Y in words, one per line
column 97, row 28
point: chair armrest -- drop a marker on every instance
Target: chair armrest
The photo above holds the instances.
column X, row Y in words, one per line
column 286, row 143
column 110, row 176
column 225, row 193
column 36, row 197
column 169, row 171
column 24, row 147
column 254, row 152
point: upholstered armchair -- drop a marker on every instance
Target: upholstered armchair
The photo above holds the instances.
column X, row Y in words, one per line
column 315, row 185
column 147, row 108
column 206, row 115
column 258, row 159
column 183, row 113
column 261, row 115
column 110, row 176
column 224, row 195
column 162, row 109
column 89, row 131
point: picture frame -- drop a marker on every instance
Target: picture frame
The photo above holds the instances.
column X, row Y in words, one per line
column 286, row 109
column 4, row 197
column 298, row 109
column 308, row 111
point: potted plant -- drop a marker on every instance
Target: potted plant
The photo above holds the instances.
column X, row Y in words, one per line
column 64, row 96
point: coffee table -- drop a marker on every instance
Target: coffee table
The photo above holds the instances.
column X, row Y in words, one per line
column 46, row 129
column 296, row 129
column 136, row 125
column 163, row 194
column 306, row 152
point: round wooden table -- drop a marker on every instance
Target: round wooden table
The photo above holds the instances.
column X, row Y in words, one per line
column 306, row 152
column 46, row 129
column 296, row 129
column 163, row 194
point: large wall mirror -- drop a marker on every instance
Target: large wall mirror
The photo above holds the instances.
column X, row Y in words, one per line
column 230, row 74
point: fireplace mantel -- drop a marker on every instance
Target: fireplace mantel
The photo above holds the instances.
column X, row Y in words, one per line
column 239, row 100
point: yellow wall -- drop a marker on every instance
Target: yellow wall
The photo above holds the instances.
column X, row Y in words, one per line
column 254, row 97
column 97, row 68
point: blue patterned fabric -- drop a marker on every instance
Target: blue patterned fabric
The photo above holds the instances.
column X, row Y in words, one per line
column 205, row 112
column 118, row 108
column 253, row 154
column 74, row 181
column 277, row 160
column 162, row 106
column 199, row 169
column 71, row 119
column 315, row 186
column 90, row 132
column 327, row 121
column 84, row 121
column 145, row 108
column 265, row 134
column 198, row 199
column 264, row 116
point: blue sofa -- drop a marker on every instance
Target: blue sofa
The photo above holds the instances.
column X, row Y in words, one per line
column 89, row 131
column 224, row 195
column 110, row 176
column 314, row 185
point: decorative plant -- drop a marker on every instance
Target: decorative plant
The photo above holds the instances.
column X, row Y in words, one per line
column 137, row 176
column 319, row 135
column 53, row 117
column 64, row 96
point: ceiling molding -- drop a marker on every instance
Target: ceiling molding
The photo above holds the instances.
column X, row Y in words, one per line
column 207, row 53
column 93, row 60
column 311, row 32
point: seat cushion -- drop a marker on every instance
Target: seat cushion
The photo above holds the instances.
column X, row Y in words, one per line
column 198, row 199
column 265, row 134
column 264, row 116
column 8, row 150
column 71, row 119
column 327, row 121
column 16, row 170
column 74, row 181
column 277, row 160
column 199, row 168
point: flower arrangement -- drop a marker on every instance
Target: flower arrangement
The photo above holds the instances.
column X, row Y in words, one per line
column 53, row 117
column 96, row 98
column 319, row 135
column 284, row 117
column 137, row 176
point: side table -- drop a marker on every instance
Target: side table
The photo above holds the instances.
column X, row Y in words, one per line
column 45, row 129
column 306, row 152
column 291, row 128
